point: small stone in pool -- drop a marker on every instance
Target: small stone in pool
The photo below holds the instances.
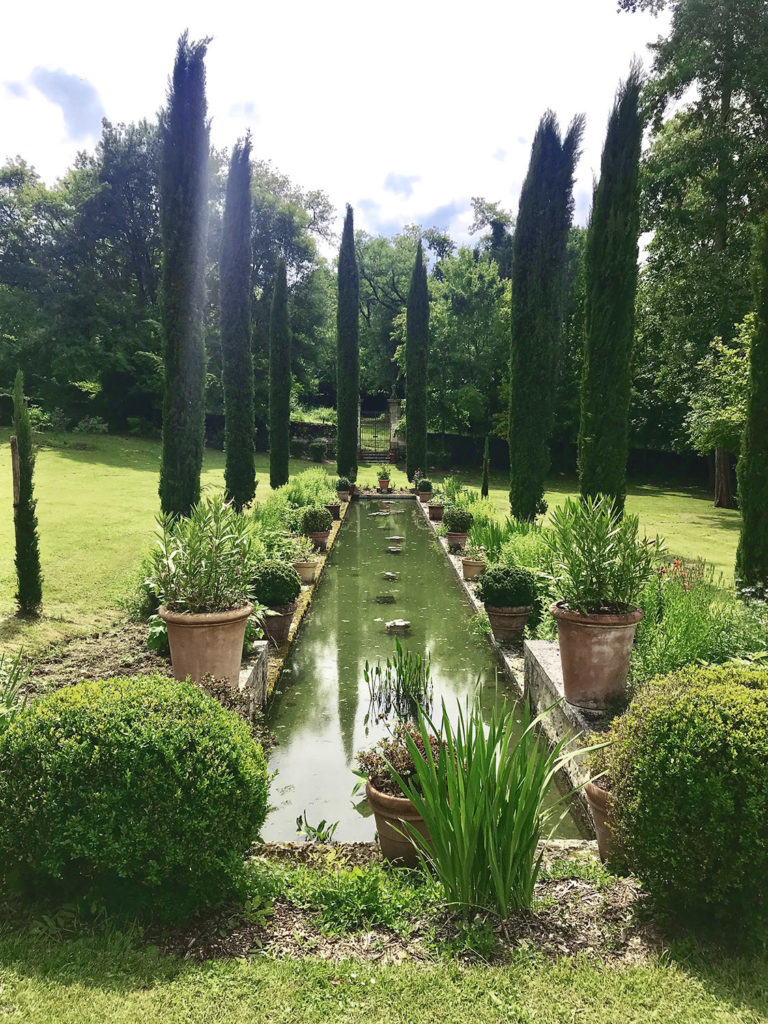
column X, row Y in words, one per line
column 390, row 575
column 394, row 551
column 385, row 599
column 395, row 538
column 398, row 626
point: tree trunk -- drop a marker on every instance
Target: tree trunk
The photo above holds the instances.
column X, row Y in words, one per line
column 724, row 494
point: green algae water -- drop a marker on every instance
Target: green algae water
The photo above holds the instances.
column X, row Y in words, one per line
column 320, row 711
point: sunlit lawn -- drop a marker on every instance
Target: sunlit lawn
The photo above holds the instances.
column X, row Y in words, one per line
column 97, row 504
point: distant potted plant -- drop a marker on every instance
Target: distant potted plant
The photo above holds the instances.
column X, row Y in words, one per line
column 276, row 584
column 436, row 506
column 303, row 558
column 457, row 522
column 316, row 523
column 508, row 593
column 473, row 561
column 383, row 474
column 334, row 508
column 342, row 488
column 390, row 808
column 424, row 489
column 205, row 612
column 415, row 481
column 600, row 566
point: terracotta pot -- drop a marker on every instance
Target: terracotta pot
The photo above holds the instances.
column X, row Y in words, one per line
column 276, row 627
column 436, row 513
column 352, row 489
column 508, row 623
column 456, row 540
column 601, row 807
column 342, row 495
column 320, row 538
column 424, row 496
column 207, row 644
column 383, row 484
column 595, row 652
column 472, row 567
column 335, row 509
column 390, row 812
column 306, row 570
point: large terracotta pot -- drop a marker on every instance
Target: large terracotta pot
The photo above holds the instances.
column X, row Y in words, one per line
column 306, row 571
column 472, row 567
column 435, row 512
column 335, row 509
column 320, row 538
column 343, row 495
column 508, row 623
column 600, row 806
column 276, row 627
column 456, row 540
column 206, row 644
column 424, row 496
column 595, row 652
column 390, row 812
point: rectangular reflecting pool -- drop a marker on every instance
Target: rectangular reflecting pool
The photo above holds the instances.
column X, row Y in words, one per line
column 320, row 711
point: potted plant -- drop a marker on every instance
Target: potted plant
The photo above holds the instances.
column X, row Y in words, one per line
column 342, row 488
column 415, row 481
column 383, row 474
column 276, row 584
column 316, row 523
column 201, row 574
column 424, row 489
column 303, row 560
column 600, row 800
column 334, row 508
column 390, row 808
column 473, row 561
column 508, row 593
column 436, row 506
column 599, row 567
column 457, row 522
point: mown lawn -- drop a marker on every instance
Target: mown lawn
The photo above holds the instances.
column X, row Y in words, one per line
column 97, row 500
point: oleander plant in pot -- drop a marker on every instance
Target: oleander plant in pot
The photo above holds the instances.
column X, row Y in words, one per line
column 509, row 594
column 316, row 523
column 200, row 573
column 472, row 561
column 303, row 557
column 276, row 584
column 424, row 489
column 436, row 506
column 342, row 488
column 600, row 565
column 457, row 522
column 383, row 474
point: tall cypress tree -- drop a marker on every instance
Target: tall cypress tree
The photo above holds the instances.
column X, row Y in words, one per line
column 237, row 359
column 29, row 577
column 183, row 221
column 279, row 381
column 752, row 553
column 611, row 283
column 538, row 295
column 485, row 483
column 347, row 354
column 416, row 367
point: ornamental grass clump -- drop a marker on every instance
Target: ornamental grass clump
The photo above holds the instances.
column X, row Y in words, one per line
column 480, row 788
column 599, row 563
column 401, row 685
column 204, row 562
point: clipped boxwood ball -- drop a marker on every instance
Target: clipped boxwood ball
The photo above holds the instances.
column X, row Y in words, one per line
column 316, row 519
column 689, row 776
column 276, row 583
column 457, row 520
column 142, row 780
column 507, row 586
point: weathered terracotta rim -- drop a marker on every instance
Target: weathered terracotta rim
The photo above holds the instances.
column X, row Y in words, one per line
column 282, row 609
column 305, row 562
column 629, row 618
column 397, row 804
column 455, row 533
column 436, row 504
column 204, row 618
column 472, row 561
column 520, row 609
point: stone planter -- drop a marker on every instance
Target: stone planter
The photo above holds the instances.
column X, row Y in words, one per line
column 343, row 495
column 320, row 538
column 276, row 627
column 389, row 813
column 595, row 652
column 306, row 570
column 472, row 567
column 601, row 807
column 424, row 496
column 335, row 509
column 206, row 644
column 508, row 623
column 435, row 512
column 456, row 540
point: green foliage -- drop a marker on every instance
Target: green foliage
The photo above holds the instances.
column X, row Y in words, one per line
column 391, row 760
column 316, row 519
column 481, row 796
column 183, row 223
column 136, row 790
column 279, row 381
column 538, row 296
column 490, row 536
column 383, row 472
column 347, row 354
column 322, row 832
column 12, row 676
column 317, row 450
column 237, row 359
column 688, row 776
column 205, row 562
column 611, row 283
column 507, row 586
column 342, row 483
column 310, row 487
column 275, row 583
column 416, row 366
column 425, row 486
column 484, row 485
column 599, row 562
column 457, row 520
column 401, row 685
column 719, row 403
column 91, row 425
column 29, row 576
column 752, row 554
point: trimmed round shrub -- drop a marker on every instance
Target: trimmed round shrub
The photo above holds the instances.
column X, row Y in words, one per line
column 457, row 520
column 507, row 586
column 317, row 450
column 688, row 769
column 425, row 486
column 316, row 519
column 276, row 583
column 141, row 789
column 342, row 483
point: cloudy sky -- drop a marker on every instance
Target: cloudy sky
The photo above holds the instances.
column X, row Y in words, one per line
column 404, row 109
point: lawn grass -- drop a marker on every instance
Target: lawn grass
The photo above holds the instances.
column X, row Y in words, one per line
column 106, row 978
column 97, row 501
